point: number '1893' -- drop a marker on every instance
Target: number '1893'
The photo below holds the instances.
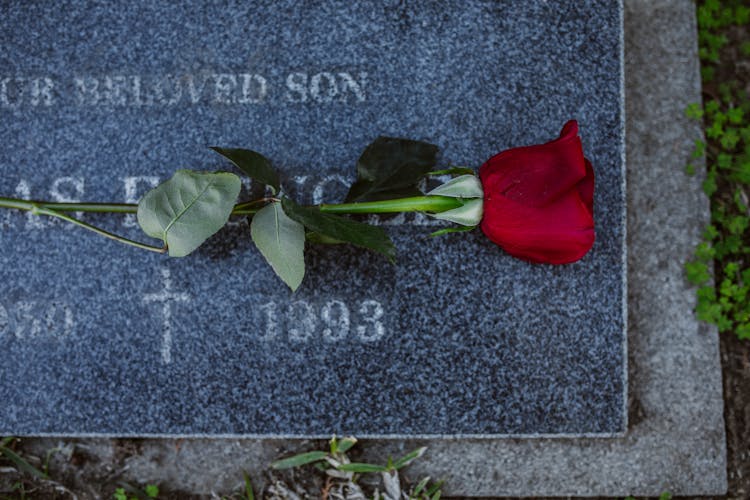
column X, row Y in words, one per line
column 334, row 321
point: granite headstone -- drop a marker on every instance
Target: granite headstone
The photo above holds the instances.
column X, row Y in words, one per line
column 100, row 101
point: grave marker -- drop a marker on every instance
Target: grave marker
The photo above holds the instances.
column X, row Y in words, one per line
column 99, row 102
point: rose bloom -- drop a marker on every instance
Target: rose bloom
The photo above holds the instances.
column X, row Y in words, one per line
column 539, row 200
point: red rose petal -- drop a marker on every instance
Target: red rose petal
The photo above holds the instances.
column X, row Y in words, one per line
column 538, row 200
column 535, row 175
column 559, row 233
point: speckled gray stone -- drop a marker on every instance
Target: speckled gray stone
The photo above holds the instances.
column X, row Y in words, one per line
column 456, row 339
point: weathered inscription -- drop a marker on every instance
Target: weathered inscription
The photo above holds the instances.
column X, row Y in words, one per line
column 181, row 90
column 332, row 321
column 73, row 189
column 36, row 319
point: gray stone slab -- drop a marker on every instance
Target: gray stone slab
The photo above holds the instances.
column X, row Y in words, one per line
column 456, row 339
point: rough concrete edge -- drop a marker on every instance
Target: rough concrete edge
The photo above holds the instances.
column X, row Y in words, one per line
column 665, row 451
column 624, row 225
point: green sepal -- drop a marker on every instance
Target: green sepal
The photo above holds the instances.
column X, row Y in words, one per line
column 463, row 186
column 454, row 171
column 253, row 164
column 341, row 228
column 448, row 230
column 391, row 168
column 470, row 214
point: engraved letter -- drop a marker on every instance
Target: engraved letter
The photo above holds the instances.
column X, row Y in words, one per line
column 371, row 312
column 336, row 329
column 196, row 92
column 304, row 318
column 114, row 92
column 134, row 191
column 224, row 86
column 23, row 191
column 175, row 86
column 59, row 190
column 41, row 92
column 323, row 87
column 319, row 189
column 11, row 92
column 350, row 84
column 254, row 89
column 272, row 323
column 296, row 82
column 87, row 90
column 3, row 321
column 140, row 96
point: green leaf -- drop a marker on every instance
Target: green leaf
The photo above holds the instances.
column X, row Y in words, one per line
column 22, row 464
column 409, row 458
column 301, row 459
column 361, row 467
column 422, row 485
column 694, row 111
column 188, row 208
column 449, row 230
column 322, row 239
column 249, row 495
column 281, row 241
column 341, row 228
column 391, row 168
column 697, row 273
column 152, row 491
column 255, row 165
column 435, row 488
column 709, row 183
column 345, row 444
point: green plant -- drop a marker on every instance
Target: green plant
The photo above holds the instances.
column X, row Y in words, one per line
column 187, row 209
column 724, row 295
column 20, row 464
column 30, row 477
column 664, row 496
column 127, row 492
column 336, row 464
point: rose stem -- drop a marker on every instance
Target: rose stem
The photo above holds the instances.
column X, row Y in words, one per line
column 434, row 204
column 43, row 208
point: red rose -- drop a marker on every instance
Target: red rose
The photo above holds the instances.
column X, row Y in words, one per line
column 539, row 200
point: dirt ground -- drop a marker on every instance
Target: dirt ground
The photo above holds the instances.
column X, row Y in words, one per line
column 735, row 360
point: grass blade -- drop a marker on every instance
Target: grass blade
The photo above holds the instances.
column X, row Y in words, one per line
column 409, row 458
column 361, row 467
column 301, row 459
column 22, row 464
column 248, row 487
